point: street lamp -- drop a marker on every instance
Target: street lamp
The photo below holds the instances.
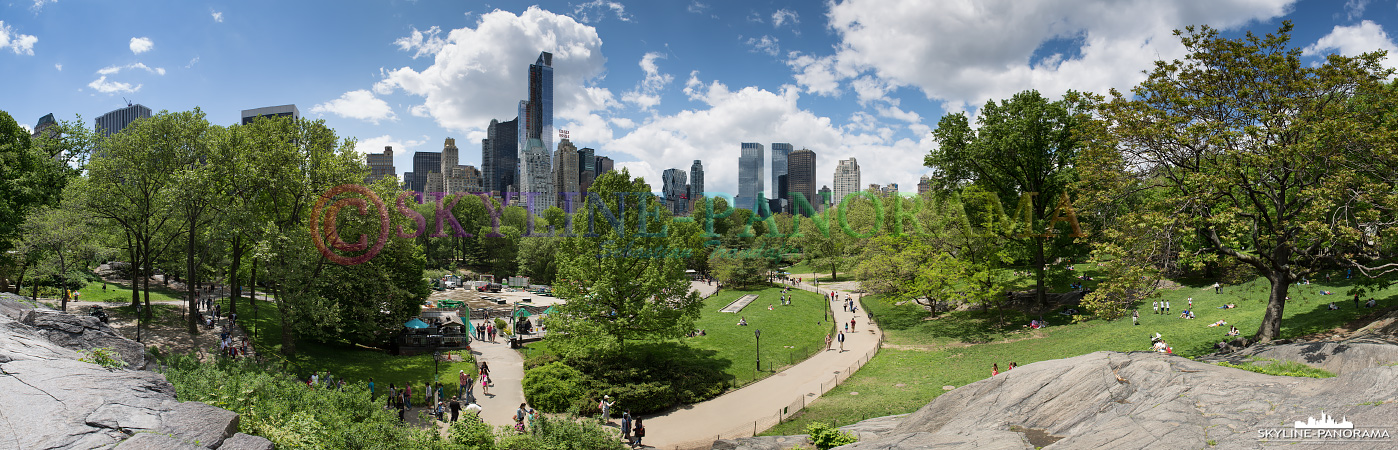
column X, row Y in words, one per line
column 436, row 358
column 758, row 334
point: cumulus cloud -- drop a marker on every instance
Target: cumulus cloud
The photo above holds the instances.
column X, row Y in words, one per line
column 59, row 67
column 647, row 93
column 141, row 45
column 1354, row 9
column 422, row 43
column 112, row 87
column 596, row 10
column 965, row 53
column 21, row 44
column 217, row 15
column 481, row 73
column 39, row 5
column 765, row 44
column 1354, row 40
column 785, row 17
column 360, row 104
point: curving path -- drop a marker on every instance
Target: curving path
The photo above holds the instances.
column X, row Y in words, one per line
column 760, row 405
column 507, row 373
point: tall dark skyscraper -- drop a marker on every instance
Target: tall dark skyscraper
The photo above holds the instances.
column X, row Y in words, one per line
column 536, row 130
column 780, row 150
column 500, row 156
column 696, row 181
column 587, row 168
column 113, row 122
column 800, row 176
column 749, row 176
column 424, row 164
column 675, row 189
column 604, row 165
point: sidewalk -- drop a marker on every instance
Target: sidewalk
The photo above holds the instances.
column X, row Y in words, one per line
column 507, row 374
column 763, row 404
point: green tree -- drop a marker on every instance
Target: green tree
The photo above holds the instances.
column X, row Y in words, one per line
column 60, row 238
column 624, row 280
column 1284, row 166
column 1023, row 148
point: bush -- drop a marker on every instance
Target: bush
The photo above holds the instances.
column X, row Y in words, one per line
column 573, row 435
column 502, row 326
column 472, row 433
column 520, row 442
column 641, row 397
column 825, row 436
column 555, row 387
column 106, row 357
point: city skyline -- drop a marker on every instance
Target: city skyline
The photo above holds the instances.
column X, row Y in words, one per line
column 651, row 85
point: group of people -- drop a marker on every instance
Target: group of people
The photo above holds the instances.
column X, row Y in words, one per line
column 995, row 368
column 840, row 337
column 632, row 430
column 486, row 331
column 1158, row 344
column 1160, row 307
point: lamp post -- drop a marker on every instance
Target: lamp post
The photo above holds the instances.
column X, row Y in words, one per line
column 138, row 322
column 758, row 334
column 436, row 358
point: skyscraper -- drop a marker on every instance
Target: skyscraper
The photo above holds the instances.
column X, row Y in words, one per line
column 846, row 180
column 380, row 165
column 587, row 169
column 604, row 165
column 536, row 124
column 44, row 124
column 500, row 156
column 424, row 163
column 565, row 176
column 113, row 122
column 249, row 115
column 450, row 156
column 675, row 190
column 780, row 151
column 825, row 195
column 800, row 179
column 924, row 185
column 749, row 175
column 696, row 182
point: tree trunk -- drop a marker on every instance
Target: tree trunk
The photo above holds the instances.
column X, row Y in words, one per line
column 135, row 273
column 145, row 285
column 1276, row 304
column 288, row 339
column 190, row 285
column 235, row 283
column 1040, row 295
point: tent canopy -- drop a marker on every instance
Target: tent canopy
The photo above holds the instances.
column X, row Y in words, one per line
column 415, row 323
column 548, row 311
column 521, row 312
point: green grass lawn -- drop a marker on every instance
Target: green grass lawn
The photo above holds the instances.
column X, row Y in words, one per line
column 116, row 293
column 789, row 333
column 925, row 355
column 354, row 364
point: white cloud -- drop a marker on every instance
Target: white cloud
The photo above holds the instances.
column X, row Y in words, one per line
column 217, row 15
column 422, row 43
column 481, row 73
column 376, row 145
column 698, row 8
column 59, row 67
column 141, row 45
column 647, row 93
column 1355, row 8
column 192, row 62
column 111, row 87
column 21, row 44
column 360, row 104
column 113, row 70
column 785, row 16
column 26, row 128
column 1354, row 40
column 596, row 10
column 765, row 44
column 39, row 5
column 965, row 53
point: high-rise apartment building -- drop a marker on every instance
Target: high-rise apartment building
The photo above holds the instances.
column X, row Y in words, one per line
column 846, row 179
column 565, row 176
column 825, row 199
column 749, row 176
column 44, row 124
column 536, row 124
column 380, row 165
column 889, row 189
column 675, row 189
column 500, row 156
column 604, row 165
column 249, row 115
column 463, row 179
column 924, row 185
column 113, row 122
column 696, row 182
column 424, row 164
column 780, row 151
column 587, row 169
column 800, row 179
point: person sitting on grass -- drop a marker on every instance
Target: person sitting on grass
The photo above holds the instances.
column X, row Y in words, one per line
column 743, row 321
column 1233, row 331
column 1187, row 314
column 1370, row 303
column 1333, row 307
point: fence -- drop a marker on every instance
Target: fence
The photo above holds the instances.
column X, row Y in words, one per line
column 796, row 405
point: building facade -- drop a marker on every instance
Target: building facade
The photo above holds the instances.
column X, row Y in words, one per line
column 825, row 198
column 536, row 124
column 750, row 176
column 381, row 165
column 113, row 122
column 924, row 185
column 500, row 156
column 846, row 180
column 780, row 152
column 800, row 176
column 696, row 182
column 565, row 176
column 675, row 190
column 604, row 165
column 250, row 115
column 424, row 164
column 536, row 176
column 587, row 169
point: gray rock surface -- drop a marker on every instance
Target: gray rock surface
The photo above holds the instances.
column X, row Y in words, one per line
column 761, row 443
column 871, row 428
column 82, row 333
column 1109, row 400
column 1338, row 357
column 242, row 441
column 50, row 400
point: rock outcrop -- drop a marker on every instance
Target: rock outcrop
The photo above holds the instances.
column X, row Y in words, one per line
column 1145, row 401
column 51, row 399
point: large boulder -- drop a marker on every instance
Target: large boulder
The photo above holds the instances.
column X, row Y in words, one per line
column 1143, row 401
column 1338, row 357
column 83, row 333
column 51, row 399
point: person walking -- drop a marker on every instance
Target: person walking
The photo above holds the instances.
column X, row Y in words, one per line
column 371, row 388
column 485, row 386
column 521, row 413
column 841, row 338
column 1135, row 317
column 455, row 409
column 851, row 324
column 1155, row 307
column 827, row 341
column 626, row 426
column 606, row 406
column 637, row 432
column 1167, row 307
column 463, row 384
column 408, row 395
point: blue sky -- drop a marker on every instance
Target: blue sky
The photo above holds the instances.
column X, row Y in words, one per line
column 652, row 84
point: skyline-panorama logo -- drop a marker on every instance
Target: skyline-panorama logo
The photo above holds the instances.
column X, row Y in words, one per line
column 1324, row 430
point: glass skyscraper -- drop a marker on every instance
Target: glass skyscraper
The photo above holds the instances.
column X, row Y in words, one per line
column 749, row 176
column 780, row 152
column 536, row 130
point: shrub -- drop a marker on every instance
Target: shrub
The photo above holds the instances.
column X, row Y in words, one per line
column 555, row 387
column 520, row 442
column 825, row 436
column 472, row 433
column 641, row 397
column 573, row 435
column 501, row 325
column 104, row 357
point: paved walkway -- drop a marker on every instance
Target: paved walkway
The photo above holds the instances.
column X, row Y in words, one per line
column 763, row 404
column 507, row 374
